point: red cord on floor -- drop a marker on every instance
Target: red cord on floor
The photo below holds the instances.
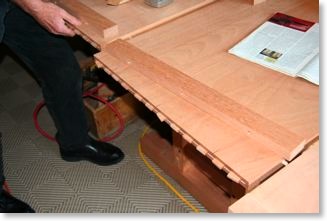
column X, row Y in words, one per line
column 91, row 94
column 6, row 187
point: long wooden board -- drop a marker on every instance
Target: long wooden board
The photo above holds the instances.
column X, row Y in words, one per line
column 219, row 106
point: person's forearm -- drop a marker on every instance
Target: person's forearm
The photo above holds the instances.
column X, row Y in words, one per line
column 49, row 15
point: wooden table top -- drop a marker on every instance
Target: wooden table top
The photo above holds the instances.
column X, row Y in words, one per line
column 249, row 120
column 200, row 51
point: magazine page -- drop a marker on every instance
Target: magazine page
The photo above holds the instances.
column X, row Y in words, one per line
column 311, row 71
column 283, row 43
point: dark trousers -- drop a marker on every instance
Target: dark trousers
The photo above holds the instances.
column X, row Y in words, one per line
column 52, row 61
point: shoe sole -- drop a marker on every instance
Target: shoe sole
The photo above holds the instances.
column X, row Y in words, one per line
column 77, row 159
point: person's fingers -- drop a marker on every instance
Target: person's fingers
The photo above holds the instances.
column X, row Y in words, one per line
column 66, row 21
column 68, row 32
column 64, row 30
column 60, row 28
column 71, row 19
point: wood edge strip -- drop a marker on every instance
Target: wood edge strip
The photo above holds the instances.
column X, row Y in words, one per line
column 166, row 20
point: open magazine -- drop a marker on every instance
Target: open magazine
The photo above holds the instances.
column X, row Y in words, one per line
column 285, row 44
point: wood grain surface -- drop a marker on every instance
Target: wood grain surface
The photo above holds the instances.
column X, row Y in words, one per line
column 301, row 180
column 248, row 119
column 244, row 117
column 200, row 51
column 135, row 16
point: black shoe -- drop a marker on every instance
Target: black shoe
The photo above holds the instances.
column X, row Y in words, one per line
column 10, row 204
column 97, row 152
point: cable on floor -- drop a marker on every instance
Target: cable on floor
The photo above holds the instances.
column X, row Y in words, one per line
column 91, row 94
column 6, row 187
column 165, row 181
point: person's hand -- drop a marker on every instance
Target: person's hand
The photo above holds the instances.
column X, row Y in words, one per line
column 50, row 16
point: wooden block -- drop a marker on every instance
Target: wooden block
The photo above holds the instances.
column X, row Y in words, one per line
column 116, row 2
column 254, row 2
column 103, row 121
column 161, row 117
column 95, row 28
column 105, row 92
column 202, row 150
column 218, row 163
column 187, row 138
column 233, row 177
